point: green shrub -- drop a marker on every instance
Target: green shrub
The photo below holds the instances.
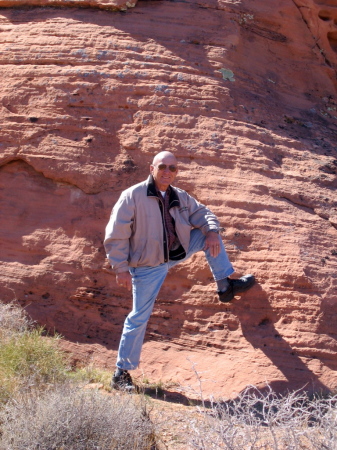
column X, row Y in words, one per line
column 27, row 358
column 34, row 356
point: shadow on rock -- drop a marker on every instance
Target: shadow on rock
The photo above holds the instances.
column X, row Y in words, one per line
column 258, row 327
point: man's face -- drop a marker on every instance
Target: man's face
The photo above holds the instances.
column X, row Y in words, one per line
column 164, row 177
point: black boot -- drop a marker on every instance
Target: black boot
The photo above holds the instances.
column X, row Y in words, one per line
column 235, row 287
column 122, row 380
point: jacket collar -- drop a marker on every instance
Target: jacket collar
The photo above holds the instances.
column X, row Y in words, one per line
column 152, row 192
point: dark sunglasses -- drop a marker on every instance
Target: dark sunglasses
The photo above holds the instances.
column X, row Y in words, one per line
column 164, row 166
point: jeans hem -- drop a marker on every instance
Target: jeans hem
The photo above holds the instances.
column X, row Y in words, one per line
column 126, row 368
column 228, row 273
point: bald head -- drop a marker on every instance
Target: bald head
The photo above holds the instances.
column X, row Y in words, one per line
column 164, row 169
column 164, row 155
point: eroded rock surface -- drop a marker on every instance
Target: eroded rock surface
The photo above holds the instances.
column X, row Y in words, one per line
column 245, row 94
column 112, row 5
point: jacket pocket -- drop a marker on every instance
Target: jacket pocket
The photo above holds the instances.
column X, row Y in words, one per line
column 136, row 252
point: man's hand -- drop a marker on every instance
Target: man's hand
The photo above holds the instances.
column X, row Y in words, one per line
column 212, row 243
column 124, row 279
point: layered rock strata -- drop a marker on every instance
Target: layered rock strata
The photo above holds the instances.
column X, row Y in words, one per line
column 110, row 5
column 245, row 95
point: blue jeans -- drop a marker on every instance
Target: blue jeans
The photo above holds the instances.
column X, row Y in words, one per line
column 146, row 283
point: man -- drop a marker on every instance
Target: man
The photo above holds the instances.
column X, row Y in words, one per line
column 153, row 227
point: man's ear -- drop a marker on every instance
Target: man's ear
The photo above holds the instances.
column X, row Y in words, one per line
column 151, row 169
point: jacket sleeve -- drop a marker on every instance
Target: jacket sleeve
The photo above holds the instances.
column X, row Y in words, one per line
column 201, row 217
column 118, row 232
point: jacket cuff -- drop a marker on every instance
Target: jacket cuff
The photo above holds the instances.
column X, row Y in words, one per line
column 207, row 228
column 122, row 269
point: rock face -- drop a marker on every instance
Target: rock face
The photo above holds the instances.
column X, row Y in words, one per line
column 111, row 5
column 245, row 94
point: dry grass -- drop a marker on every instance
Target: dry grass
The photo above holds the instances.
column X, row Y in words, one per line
column 92, row 375
column 70, row 418
column 13, row 320
column 266, row 420
column 42, row 407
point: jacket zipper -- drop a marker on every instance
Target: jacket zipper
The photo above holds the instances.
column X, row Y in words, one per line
column 165, row 245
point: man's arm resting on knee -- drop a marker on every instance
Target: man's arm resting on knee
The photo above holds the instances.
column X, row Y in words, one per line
column 212, row 242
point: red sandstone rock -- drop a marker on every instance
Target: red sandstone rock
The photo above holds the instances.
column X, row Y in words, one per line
column 321, row 19
column 113, row 5
column 245, row 94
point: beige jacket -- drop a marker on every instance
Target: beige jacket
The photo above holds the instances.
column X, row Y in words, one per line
column 135, row 235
